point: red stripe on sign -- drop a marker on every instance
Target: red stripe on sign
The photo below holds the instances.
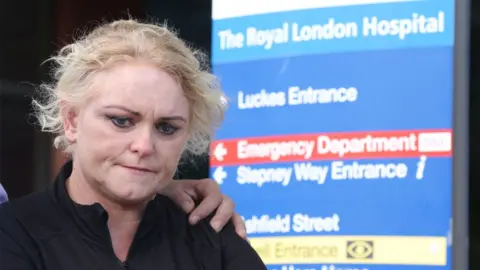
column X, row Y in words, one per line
column 332, row 146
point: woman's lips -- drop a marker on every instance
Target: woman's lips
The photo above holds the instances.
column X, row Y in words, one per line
column 137, row 169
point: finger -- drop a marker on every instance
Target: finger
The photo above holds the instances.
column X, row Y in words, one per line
column 182, row 199
column 182, row 193
column 211, row 198
column 239, row 225
column 205, row 188
column 223, row 214
column 185, row 202
column 210, row 202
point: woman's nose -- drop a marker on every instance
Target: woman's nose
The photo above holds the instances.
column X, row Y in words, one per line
column 142, row 143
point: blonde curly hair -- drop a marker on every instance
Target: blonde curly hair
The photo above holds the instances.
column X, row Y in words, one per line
column 108, row 44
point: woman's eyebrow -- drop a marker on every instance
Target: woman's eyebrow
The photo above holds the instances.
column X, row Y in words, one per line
column 164, row 118
column 172, row 118
column 123, row 108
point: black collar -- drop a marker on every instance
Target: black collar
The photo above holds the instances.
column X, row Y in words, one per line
column 92, row 219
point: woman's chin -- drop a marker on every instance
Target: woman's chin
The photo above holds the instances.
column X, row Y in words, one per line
column 132, row 196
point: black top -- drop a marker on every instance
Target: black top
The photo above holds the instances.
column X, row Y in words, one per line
column 48, row 231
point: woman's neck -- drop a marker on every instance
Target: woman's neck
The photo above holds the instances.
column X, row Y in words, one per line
column 123, row 220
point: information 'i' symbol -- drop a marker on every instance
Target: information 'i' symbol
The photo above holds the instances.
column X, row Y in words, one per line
column 421, row 167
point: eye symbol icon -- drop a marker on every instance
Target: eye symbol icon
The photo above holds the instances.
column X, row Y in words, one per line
column 360, row 249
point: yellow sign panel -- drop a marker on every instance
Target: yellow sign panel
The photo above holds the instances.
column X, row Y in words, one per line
column 352, row 249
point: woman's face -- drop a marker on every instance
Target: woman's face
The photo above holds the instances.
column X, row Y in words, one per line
column 130, row 134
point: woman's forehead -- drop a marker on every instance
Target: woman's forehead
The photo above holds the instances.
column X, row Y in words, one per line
column 141, row 88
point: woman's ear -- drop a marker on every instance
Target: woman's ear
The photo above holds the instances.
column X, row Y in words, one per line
column 70, row 116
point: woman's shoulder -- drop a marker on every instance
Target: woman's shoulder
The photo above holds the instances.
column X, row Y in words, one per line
column 35, row 214
column 224, row 250
column 177, row 222
column 22, row 208
column 172, row 212
column 178, row 218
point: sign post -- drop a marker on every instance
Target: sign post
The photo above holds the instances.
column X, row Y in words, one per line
column 337, row 145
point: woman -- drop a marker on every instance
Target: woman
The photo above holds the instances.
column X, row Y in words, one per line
column 129, row 101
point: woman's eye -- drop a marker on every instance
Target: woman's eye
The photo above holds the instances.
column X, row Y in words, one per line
column 122, row 122
column 166, row 129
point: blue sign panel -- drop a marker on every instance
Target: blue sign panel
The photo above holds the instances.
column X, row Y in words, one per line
column 337, row 145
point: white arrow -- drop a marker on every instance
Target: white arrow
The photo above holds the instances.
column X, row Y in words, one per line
column 220, row 151
column 219, row 175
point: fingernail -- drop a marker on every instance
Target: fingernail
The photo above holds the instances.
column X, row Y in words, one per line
column 195, row 219
column 215, row 225
column 187, row 206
